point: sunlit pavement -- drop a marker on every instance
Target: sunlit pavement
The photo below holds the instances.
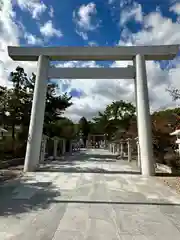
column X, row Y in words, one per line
column 91, row 195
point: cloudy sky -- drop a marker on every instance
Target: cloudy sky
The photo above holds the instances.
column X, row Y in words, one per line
column 94, row 23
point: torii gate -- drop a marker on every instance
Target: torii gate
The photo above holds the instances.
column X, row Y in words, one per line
column 138, row 54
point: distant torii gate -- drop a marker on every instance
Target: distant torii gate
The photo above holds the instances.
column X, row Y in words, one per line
column 93, row 138
column 138, row 54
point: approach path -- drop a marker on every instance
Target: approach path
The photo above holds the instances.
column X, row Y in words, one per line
column 91, row 196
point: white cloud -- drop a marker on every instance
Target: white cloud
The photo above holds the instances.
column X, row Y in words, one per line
column 84, row 16
column 124, row 3
column 8, row 36
column 132, row 12
column 157, row 30
column 51, row 12
column 85, row 19
column 82, row 34
column 175, row 8
column 10, row 32
column 8, row 25
column 92, row 43
column 35, row 7
column 48, row 30
column 32, row 39
column 98, row 93
column 111, row 1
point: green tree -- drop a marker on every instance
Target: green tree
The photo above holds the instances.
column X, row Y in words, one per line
column 16, row 103
column 116, row 115
column 84, row 127
column 100, row 123
column 163, row 123
column 63, row 127
column 18, row 98
column 120, row 110
column 174, row 93
column 4, row 97
column 20, row 102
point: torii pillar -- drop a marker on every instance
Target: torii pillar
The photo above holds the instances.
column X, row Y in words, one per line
column 144, row 118
column 37, row 116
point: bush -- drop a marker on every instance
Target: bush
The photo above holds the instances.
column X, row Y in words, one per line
column 12, row 149
column 173, row 162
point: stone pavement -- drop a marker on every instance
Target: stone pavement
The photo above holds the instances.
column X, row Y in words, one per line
column 92, row 196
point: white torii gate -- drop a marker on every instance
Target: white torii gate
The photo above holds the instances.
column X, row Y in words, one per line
column 138, row 54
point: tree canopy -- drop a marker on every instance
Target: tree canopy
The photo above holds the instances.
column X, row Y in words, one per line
column 116, row 116
column 84, row 128
column 16, row 102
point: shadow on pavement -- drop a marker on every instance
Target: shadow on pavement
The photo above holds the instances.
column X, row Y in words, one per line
column 90, row 157
column 30, row 197
column 165, row 174
column 74, row 164
column 77, row 169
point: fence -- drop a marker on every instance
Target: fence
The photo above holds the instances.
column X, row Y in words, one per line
column 55, row 148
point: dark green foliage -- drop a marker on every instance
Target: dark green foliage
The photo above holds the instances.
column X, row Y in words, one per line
column 115, row 117
column 16, row 103
column 63, row 127
column 84, row 127
column 174, row 93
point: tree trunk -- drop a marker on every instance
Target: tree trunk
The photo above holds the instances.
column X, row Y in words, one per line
column 161, row 157
column 13, row 139
column 13, row 131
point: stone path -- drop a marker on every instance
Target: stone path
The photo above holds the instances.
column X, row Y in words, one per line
column 90, row 197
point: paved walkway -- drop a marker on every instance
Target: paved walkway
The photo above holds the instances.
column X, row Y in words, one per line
column 90, row 197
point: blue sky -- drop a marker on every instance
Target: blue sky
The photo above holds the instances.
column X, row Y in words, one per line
column 94, row 23
column 107, row 17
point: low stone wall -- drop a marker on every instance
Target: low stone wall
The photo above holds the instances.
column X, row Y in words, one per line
column 11, row 163
column 163, row 168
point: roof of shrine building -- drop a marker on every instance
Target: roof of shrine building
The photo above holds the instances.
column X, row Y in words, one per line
column 161, row 52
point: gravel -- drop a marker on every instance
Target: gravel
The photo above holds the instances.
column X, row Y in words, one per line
column 172, row 182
